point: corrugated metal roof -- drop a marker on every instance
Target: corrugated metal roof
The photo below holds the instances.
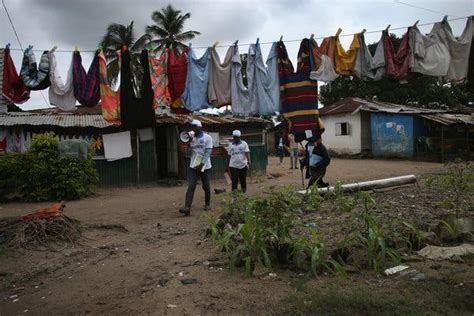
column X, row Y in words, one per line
column 450, row 119
column 351, row 104
column 62, row 120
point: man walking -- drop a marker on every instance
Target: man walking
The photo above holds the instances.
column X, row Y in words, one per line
column 239, row 162
column 318, row 161
column 199, row 167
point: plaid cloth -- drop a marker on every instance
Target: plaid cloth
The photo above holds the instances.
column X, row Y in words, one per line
column 86, row 86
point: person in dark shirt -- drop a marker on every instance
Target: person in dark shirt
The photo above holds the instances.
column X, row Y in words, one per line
column 319, row 159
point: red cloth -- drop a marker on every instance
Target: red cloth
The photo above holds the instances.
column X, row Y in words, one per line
column 177, row 71
column 13, row 87
column 54, row 210
column 397, row 65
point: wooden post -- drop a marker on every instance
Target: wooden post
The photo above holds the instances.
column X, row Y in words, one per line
column 138, row 158
column 154, row 153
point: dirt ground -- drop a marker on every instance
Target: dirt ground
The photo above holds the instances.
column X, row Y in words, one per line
column 141, row 271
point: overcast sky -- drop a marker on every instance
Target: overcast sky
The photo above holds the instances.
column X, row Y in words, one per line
column 66, row 23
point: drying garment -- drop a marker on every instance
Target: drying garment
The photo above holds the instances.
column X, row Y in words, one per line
column 345, row 60
column 136, row 112
column 159, row 80
column 459, row 48
column 197, row 81
column 299, row 94
column 322, row 67
column 368, row 67
column 263, row 81
column 470, row 71
column 16, row 142
column 239, row 93
column 61, row 94
column 428, row 54
column 397, row 64
column 117, row 146
column 3, row 101
column 177, row 72
column 35, row 77
column 219, row 89
column 109, row 99
column 13, row 87
column 86, row 86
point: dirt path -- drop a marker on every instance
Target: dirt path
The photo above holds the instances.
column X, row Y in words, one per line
column 141, row 272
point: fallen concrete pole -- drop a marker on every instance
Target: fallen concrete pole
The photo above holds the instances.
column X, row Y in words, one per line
column 370, row 185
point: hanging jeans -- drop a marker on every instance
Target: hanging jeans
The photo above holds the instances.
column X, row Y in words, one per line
column 317, row 174
column 193, row 177
column 239, row 175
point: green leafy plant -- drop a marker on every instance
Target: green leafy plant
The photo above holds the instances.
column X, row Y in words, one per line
column 312, row 199
column 345, row 202
column 416, row 236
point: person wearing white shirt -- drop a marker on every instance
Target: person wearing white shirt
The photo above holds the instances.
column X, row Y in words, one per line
column 239, row 161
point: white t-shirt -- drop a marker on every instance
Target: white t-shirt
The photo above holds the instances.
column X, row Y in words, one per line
column 198, row 146
column 238, row 159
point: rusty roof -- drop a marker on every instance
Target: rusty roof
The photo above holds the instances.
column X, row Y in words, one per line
column 450, row 119
column 209, row 119
column 352, row 105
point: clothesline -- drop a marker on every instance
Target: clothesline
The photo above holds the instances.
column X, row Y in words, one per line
column 262, row 43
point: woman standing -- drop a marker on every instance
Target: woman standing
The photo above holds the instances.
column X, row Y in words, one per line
column 239, row 162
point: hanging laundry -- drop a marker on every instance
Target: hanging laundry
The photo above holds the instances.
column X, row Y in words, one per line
column 345, row 60
column 15, row 142
column 397, row 64
column 219, row 89
column 239, row 93
column 470, row 70
column 264, row 80
column 86, row 85
column 368, row 66
column 177, row 72
column 61, row 94
column 459, row 48
column 299, row 94
column 35, row 77
column 117, row 146
column 13, row 88
column 109, row 99
column 428, row 54
column 159, row 80
column 197, row 81
column 136, row 112
column 4, row 102
column 322, row 68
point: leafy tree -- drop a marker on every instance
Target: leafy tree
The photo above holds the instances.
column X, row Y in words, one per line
column 117, row 36
column 167, row 30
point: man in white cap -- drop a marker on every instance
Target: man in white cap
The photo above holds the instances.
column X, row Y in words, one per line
column 239, row 161
column 199, row 167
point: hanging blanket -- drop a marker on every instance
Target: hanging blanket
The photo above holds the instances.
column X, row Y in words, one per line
column 299, row 94
column 219, row 89
column 86, row 86
column 159, row 80
column 13, row 88
column 239, row 93
column 345, row 60
column 177, row 72
column 322, row 68
column 397, row 64
column 136, row 112
column 110, row 100
column 368, row 67
column 33, row 76
column 197, row 81
column 61, row 94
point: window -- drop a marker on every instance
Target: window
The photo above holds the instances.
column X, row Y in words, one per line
column 342, row 129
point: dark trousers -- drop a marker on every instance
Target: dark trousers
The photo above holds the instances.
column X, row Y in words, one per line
column 193, row 177
column 317, row 174
column 239, row 175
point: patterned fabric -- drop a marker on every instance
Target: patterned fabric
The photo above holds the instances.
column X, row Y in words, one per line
column 86, row 86
column 110, row 100
column 13, row 88
column 397, row 64
column 345, row 60
column 177, row 72
column 159, row 80
column 35, row 77
column 299, row 94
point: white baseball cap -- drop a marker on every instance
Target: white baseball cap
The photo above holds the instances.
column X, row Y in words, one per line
column 196, row 123
column 236, row 133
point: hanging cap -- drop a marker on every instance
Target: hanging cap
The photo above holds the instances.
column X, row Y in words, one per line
column 236, row 133
column 196, row 123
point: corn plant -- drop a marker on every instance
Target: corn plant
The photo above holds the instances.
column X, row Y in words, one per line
column 312, row 199
column 416, row 236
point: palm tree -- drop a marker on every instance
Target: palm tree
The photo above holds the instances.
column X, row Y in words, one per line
column 117, row 36
column 168, row 29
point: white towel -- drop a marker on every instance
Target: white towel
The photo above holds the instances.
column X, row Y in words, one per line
column 61, row 94
column 117, row 146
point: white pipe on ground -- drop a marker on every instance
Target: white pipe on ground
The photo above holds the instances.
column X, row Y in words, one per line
column 370, row 185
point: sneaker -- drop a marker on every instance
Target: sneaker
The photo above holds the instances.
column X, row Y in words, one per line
column 185, row 210
column 207, row 207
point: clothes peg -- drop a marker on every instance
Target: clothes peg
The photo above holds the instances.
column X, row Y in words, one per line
column 363, row 31
column 416, row 23
column 190, row 44
column 76, row 48
column 236, row 42
column 258, row 40
column 124, row 48
column 215, row 44
column 312, row 36
column 339, row 30
column 281, row 38
column 99, row 47
column 388, row 26
column 7, row 46
column 54, row 48
column 445, row 18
